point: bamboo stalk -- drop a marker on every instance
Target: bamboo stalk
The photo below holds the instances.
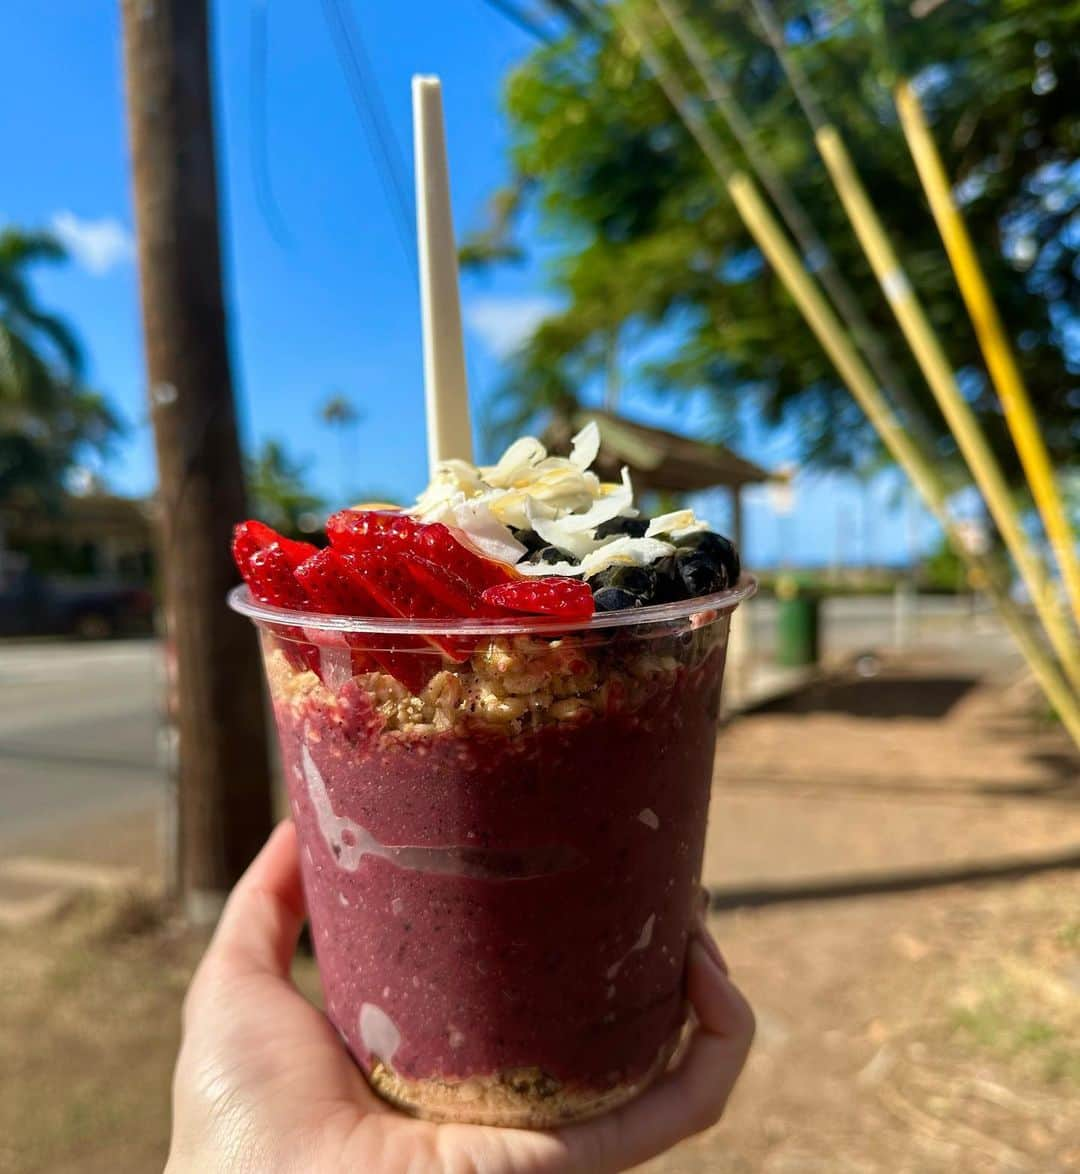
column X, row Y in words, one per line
column 830, row 333
column 993, row 340
column 928, row 352
column 816, row 253
column 956, row 410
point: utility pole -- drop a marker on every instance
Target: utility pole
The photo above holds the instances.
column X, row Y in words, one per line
column 224, row 797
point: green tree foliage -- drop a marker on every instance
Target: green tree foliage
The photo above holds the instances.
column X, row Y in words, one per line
column 944, row 570
column 654, row 247
column 342, row 416
column 338, row 412
column 49, row 418
column 279, row 492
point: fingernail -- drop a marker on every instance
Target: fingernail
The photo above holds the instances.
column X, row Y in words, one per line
column 711, row 950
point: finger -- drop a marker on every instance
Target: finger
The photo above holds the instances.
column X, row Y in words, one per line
column 263, row 916
column 711, row 948
column 686, row 1100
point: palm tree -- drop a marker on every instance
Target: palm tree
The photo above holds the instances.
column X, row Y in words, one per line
column 48, row 416
column 340, row 414
column 279, row 492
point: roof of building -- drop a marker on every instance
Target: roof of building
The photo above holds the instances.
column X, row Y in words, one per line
column 81, row 518
column 658, row 459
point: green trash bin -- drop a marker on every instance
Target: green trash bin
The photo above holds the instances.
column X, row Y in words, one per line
column 798, row 634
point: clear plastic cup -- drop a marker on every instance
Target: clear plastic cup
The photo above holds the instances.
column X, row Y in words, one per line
column 501, row 828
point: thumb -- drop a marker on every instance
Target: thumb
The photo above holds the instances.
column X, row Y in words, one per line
column 263, row 916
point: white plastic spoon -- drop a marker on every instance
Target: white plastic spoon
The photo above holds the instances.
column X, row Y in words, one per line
column 446, row 388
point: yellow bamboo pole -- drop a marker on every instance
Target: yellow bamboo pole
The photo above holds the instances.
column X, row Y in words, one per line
column 830, row 333
column 939, row 375
column 993, row 340
column 926, row 348
column 816, row 253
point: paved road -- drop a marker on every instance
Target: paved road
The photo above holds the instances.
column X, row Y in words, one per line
column 78, row 732
column 78, row 722
column 855, row 623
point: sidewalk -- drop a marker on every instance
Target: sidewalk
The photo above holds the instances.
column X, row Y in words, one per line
column 46, row 872
column 925, row 766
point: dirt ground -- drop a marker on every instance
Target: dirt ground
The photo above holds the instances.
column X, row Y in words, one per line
column 918, row 1033
column 924, row 1031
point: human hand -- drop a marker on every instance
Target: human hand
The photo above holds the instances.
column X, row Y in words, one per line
column 263, row 1083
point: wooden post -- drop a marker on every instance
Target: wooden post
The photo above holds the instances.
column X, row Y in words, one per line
column 224, row 779
column 737, row 518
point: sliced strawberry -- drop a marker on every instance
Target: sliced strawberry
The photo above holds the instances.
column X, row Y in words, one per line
column 365, row 662
column 356, row 531
column 456, row 597
column 402, row 588
column 295, row 551
column 252, row 536
column 271, row 579
column 301, row 654
column 333, row 588
column 569, row 599
column 452, row 550
column 243, row 547
column 267, row 560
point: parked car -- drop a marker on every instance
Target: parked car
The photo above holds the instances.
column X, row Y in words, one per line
column 34, row 605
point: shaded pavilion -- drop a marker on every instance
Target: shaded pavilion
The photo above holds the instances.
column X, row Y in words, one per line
column 662, row 461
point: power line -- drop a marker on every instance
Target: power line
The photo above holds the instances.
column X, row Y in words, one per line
column 818, row 256
column 578, row 14
column 370, row 106
column 521, row 19
column 257, row 116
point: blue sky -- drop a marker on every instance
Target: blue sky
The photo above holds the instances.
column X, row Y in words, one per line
column 329, row 303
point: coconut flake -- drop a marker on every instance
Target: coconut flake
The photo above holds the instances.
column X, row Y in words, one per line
column 442, row 509
column 676, row 523
column 625, row 551
column 616, row 500
column 560, row 484
column 585, row 447
column 515, row 463
column 461, row 474
column 452, row 479
column 508, row 507
column 558, row 532
column 541, row 570
column 484, row 531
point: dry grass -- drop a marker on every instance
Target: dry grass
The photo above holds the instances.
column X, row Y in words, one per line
column 90, row 1027
column 930, row 1032
column 925, row 1033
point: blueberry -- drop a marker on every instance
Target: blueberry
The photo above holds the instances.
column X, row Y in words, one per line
column 640, row 581
column 529, row 539
column 616, row 599
column 617, row 527
column 699, row 574
column 551, row 554
column 719, row 550
column 669, row 587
